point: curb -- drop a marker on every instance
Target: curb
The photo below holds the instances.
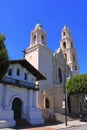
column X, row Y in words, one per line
column 75, row 123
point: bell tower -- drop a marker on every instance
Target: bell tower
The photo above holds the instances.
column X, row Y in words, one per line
column 38, row 36
column 69, row 52
column 41, row 57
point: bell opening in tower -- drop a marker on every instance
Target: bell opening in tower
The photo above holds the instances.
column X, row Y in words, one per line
column 42, row 39
column 64, row 44
column 34, row 39
column 64, row 33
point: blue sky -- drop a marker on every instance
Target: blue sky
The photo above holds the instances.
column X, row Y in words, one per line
column 19, row 17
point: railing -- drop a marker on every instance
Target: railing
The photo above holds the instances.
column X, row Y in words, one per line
column 17, row 82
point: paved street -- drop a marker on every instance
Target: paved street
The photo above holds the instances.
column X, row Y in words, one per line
column 72, row 125
column 84, row 127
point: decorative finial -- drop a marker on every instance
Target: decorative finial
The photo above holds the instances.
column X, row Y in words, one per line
column 65, row 25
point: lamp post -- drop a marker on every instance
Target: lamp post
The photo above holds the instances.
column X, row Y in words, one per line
column 65, row 101
column 65, row 105
column 65, row 98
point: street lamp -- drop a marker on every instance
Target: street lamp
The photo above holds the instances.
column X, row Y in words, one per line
column 65, row 105
column 65, row 99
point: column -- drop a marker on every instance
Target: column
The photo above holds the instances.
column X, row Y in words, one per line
column 52, row 102
column 35, row 99
column 30, row 98
column 44, row 102
column 44, row 98
column 7, row 94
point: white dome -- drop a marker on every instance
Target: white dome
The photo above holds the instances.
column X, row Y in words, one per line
column 38, row 25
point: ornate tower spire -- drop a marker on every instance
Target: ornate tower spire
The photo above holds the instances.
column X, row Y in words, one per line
column 65, row 32
column 67, row 47
column 38, row 35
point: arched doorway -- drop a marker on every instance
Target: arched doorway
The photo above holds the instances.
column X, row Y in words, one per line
column 47, row 103
column 16, row 107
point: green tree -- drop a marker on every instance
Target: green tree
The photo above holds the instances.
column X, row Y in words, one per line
column 77, row 84
column 4, row 59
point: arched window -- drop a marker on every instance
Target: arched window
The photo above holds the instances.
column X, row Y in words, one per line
column 10, row 72
column 71, row 44
column 18, row 72
column 73, row 58
column 34, row 39
column 42, row 39
column 75, row 68
column 64, row 33
column 25, row 76
column 65, row 56
column 47, row 103
column 64, row 44
column 60, row 75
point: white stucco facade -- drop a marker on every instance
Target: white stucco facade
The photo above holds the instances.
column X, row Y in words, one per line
column 39, row 56
column 56, row 67
column 18, row 91
column 19, row 84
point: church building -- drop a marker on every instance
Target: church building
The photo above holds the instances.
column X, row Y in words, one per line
column 57, row 67
column 37, row 82
column 19, row 94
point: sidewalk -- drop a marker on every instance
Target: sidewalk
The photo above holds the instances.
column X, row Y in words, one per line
column 61, row 126
column 73, row 123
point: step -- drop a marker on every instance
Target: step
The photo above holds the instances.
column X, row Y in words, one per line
column 61, row 117
column 22, row 123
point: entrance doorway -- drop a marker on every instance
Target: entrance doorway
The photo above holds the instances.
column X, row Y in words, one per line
column 16, row 107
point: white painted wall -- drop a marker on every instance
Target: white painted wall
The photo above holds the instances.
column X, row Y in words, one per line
column 42, row 61
column 14, row 67
column 28, row 97
column 46, row 65
column 32, row 56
